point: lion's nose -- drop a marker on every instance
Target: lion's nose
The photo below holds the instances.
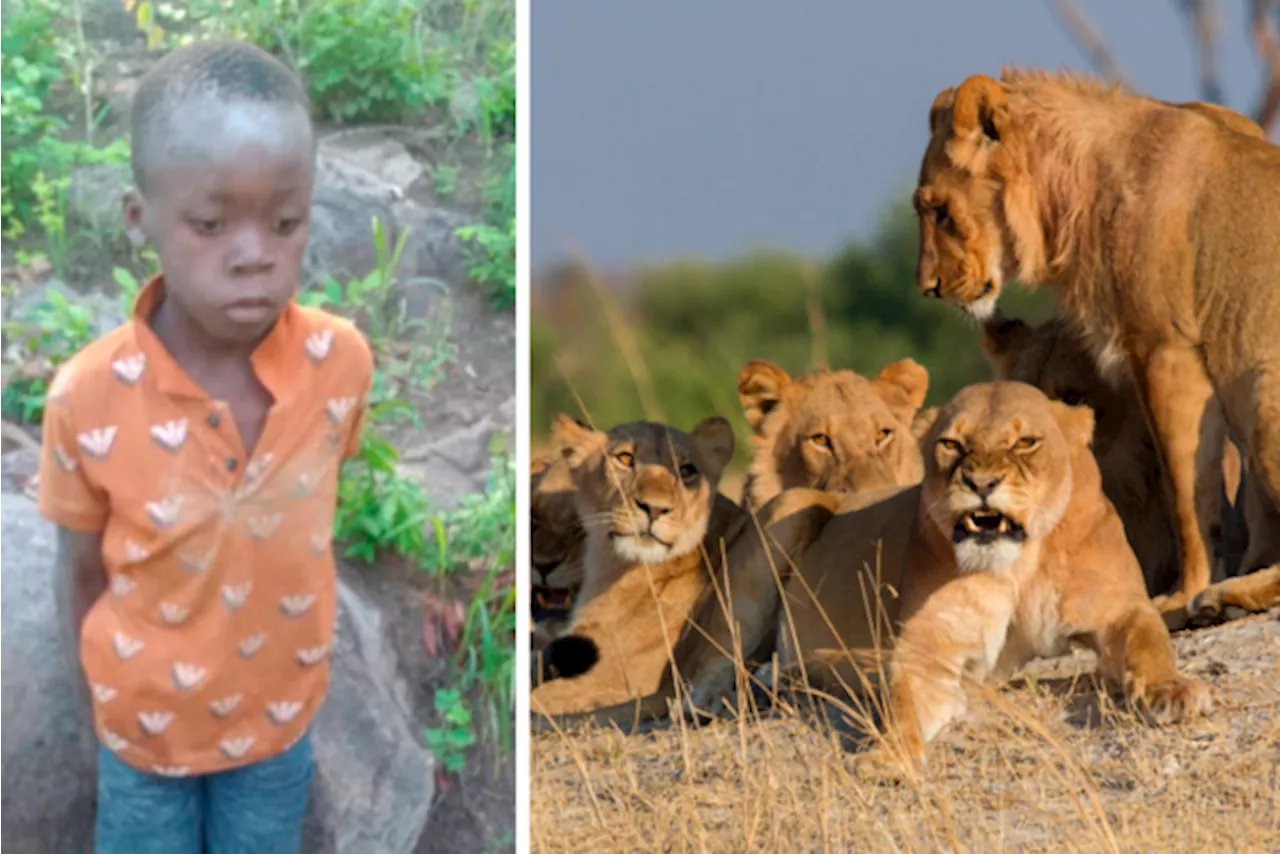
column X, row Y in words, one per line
column 982, row 484
column 933, row 289
column 654, row 510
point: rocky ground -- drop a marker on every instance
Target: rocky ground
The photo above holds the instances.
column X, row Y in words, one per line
column 1048, row 763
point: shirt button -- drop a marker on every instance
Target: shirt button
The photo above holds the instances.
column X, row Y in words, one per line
column 231, row 464
column 213, row 420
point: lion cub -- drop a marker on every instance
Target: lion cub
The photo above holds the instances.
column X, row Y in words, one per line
column 647, row 497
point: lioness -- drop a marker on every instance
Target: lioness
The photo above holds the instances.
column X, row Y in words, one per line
column 1052, row 358
column 555, row 546
column 831, row 430
column 1006, row 551
column 647, row 498
column 1159, row 226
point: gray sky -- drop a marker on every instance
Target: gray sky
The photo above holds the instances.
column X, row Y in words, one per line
column 666, row 128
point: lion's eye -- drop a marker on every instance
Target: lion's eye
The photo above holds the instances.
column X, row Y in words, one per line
column 1073, row 398
column 884, row 435
column 822, row 440
column 1026, row 443
column 626, row 459
column 689, row 473
column 950, row 445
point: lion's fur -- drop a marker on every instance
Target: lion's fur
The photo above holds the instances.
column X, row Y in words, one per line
column 1159, row 226
column 653, row 534
column 555, row 542
column 1052, row 358
column 968, row 607
column 836, row 431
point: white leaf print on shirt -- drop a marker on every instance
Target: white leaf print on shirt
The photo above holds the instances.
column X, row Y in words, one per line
column 225, row 706
column 339, row 407
column 312, row 655
column 164, row 513
column 171, row 770
column 234, row 595
column 295, row 606
column 121, row 586
column 236, row 748
column 125, row 646
column 261, row 528
column 249, row 646
column 154, row 723
column 320, row 542
column 113, row 742
column 187, row 676
column 281, row 712
column 171, row 434
column 103, row 693
column 194, row 564
column 134, row 553
column 171, row 614
column 318, row 344
column 129, row 370
column 97, row 443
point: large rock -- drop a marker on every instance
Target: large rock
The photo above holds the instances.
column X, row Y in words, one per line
column 374, row 782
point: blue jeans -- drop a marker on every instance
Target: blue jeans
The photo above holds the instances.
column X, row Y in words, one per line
column 254, row 809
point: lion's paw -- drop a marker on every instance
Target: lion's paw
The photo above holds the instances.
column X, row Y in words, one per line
column 883, row 766
column 1173, row 700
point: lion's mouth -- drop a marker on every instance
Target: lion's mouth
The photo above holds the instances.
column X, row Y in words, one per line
column 987, row 526
column 643, row 535
column 551, row 602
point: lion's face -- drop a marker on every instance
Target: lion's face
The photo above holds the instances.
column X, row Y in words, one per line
column 1053, row 358
column 963, row 250
column 556, row 538
column 832, row 430
column 649, row 488
column 999, row 470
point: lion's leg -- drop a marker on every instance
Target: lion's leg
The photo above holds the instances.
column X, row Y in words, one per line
column 1189, row 431
column 1260, row 589
column 1136, row 654
column 960, row 629
column 755, row 574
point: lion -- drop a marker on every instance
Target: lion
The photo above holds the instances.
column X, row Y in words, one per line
column 1006, row 551
column 1158, row 225
column 836, row 432
column 1052, row 358
column 648, row 500
column 555, row 546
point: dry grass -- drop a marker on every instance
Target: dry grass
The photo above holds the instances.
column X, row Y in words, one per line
column 1048, row 764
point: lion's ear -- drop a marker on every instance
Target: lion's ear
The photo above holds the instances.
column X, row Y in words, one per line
column 981, row 106
column 713, row 439
column 1076, row 423
column 941, row 104
column 1003, row 340
column 923, row 422
column 538, row 465
column 907, row 380
column 760, row 386
column 574, row 440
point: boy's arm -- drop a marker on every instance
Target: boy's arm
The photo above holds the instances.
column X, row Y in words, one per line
column 73, row 501
column 79, row 579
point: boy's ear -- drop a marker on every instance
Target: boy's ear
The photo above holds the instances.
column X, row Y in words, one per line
column 134, row 212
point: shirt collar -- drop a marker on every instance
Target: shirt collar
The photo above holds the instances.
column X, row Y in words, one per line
column 276, row 360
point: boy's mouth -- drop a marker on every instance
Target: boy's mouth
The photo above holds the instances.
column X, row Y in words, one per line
column 251, row 310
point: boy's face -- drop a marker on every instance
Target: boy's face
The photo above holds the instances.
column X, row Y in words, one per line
column 227, row 206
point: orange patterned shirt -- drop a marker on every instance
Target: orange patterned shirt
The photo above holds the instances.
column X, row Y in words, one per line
column 209, row 648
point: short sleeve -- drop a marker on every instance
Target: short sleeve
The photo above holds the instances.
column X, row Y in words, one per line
column 67, row 498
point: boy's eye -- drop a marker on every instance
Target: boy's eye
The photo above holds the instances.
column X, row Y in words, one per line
column 288, row 226
column 206, row 226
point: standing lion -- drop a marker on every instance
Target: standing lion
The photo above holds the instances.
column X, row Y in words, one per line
column 1159, row 226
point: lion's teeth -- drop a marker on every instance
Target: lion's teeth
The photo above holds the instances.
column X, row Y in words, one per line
column 971, row 525
column 1004, row 525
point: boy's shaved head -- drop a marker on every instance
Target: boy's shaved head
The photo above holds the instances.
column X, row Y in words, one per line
column 167, row 108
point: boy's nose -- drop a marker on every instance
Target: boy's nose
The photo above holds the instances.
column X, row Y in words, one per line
column 251, row 253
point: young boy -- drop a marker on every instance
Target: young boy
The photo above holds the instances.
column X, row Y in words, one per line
column 190, row 463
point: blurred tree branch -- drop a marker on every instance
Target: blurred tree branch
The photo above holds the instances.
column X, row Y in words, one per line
column 1266, row 41
column 1204, row 29
column 1087, row 38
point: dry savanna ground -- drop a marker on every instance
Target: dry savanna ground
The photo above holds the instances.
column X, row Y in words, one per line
column 1048, row 762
